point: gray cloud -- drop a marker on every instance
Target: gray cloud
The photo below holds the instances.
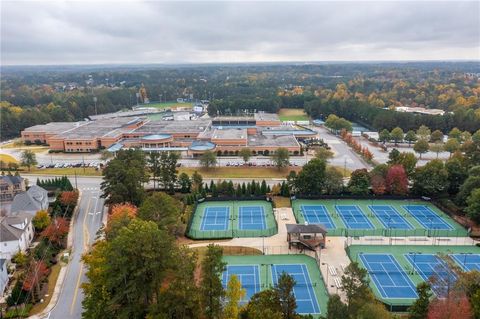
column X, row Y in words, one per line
column 86, row 32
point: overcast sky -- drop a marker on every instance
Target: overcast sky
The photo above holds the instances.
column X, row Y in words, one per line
column 91, row 32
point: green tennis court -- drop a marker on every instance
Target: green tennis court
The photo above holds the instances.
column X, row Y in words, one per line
column 229, row 219
column 413, row 264
column 390, row 218
column 261, row 272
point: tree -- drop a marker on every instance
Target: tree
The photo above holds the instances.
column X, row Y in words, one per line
column 473, row 205
column 264, row 304
column 37, row 272
column 452, row 307
column 105, row 155
column 359, row 183
column 396, row 180
column 354, row 283
column 421, row 147
column 123, row 178
column 373, row 310
column 208, row 159
column 457, row 173
column 437, row 148
column 162, row 209
column 419, row 309
column 408, row 161
column 281, row 157
column 436, row 136
column 423, row 133
column 284, row 290
column 323, row 154
column 41, row 220
column 333, row 183
column 234, row 294
column 245, row 154
column 28, row 159
column 153, row 161
column 431, row 179
column 56, row 231
column 378, row 183
column 311, row 178
column 336, row 308
column 410, row 137
column 197, row 182
column 211, row 286
column 456, row 134
column 397, row 135
column 181, row 298
column 120, row 216
column 167, row 170
column 451, row 146
column 384, row 136
column 185, row 183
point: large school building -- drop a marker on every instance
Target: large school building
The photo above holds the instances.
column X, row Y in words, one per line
column 263, row 133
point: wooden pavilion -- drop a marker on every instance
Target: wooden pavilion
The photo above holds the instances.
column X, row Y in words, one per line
column 310, row 236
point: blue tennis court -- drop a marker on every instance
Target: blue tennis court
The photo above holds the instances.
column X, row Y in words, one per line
column 389, row 217
column 215, row 218
column 305, row 295
column 353, row 217
column 434, row 270
column 389, row 277
column 249, row 276
column 317, row 214
column 427, row 217
column 468, row 262
column 251, row 217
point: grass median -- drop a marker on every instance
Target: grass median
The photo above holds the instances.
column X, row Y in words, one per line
column 292, row 115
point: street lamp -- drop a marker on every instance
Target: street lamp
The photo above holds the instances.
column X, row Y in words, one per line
column 323, row 264
column 95, row 101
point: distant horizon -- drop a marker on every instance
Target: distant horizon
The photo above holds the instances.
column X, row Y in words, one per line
column 246, row 63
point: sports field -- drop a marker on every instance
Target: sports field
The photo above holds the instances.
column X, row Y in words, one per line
column 257, row 273
column 399, row 218
column 228, row 219
column 167, row 105
column 292, row 115
column 395, row 271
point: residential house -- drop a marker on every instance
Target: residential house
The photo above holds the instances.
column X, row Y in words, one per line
column 16, row 234
column 10, row 186
column 31, row 201
column 3, row 276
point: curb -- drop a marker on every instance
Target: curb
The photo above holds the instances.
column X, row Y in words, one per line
column 63, row 271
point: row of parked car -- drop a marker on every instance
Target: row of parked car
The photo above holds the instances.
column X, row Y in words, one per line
column 66, row 165
column 267, row 164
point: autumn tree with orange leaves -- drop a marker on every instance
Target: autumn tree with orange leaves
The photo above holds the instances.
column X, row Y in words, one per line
column 455, row 306
column 55, row 232
column 37, row 272
column 121, row 215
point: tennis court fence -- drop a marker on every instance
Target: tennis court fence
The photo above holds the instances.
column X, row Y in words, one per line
column 408, row 240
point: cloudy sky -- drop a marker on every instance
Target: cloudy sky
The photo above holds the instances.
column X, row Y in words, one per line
column 91, row 32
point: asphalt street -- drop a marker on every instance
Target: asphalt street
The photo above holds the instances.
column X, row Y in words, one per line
column 86, row 225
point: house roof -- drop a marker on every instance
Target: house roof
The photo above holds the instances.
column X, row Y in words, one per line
column 11, row 179
column 8, row 232
column 310, row 228
column 33, row 200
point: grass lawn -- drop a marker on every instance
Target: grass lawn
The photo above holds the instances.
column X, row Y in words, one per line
column 7, row 158
column 166, row 105
column 52, row 281
column 240, row 172
column 89, row 171
column 292, row 115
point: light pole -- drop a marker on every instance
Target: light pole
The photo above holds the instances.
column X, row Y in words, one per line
column 95, row 101
column 323, row 264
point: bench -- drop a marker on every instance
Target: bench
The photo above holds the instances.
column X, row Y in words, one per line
column 332, row 270
column 337, row 282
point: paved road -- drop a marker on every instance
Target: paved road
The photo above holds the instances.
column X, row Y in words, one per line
column 86, row 225
column 344, row 156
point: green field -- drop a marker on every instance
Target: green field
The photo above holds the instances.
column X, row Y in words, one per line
column 233, row 229
column 266, row 261
column 379, row 228
column 292, row 115
column 398, row 252
column 167, row 105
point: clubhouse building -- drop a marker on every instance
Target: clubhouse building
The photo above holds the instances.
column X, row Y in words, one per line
column 262, row 133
